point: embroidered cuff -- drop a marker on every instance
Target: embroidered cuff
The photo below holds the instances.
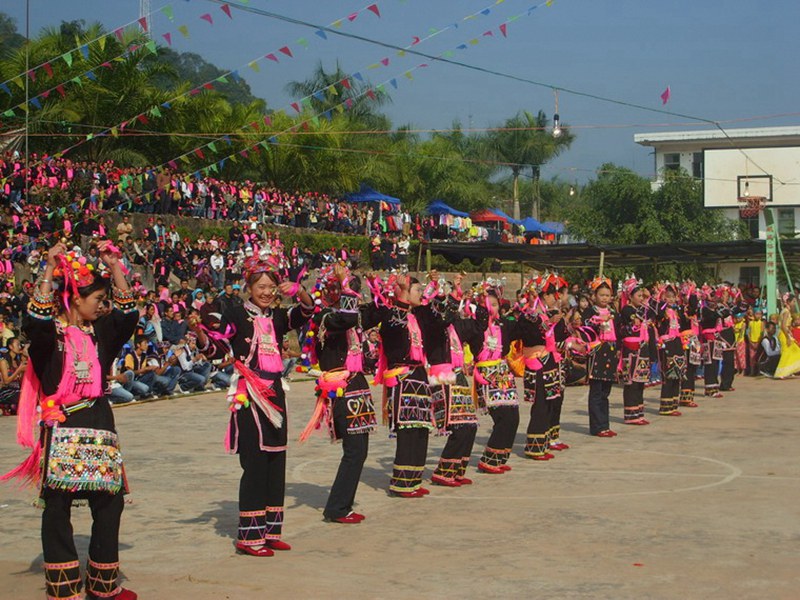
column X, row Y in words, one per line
column 124, row 299
column 42, row 306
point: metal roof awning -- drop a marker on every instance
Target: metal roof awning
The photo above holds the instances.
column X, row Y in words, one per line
column 561, row 256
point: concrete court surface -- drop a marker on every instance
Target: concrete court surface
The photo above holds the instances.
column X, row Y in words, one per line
column 700, row 506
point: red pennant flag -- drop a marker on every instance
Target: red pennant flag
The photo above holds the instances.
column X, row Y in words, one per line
column 207, row 17
column 194, row 92
column 118, row 33
column 143, row 23
column 45, row 94
column 296, row 106
column 374, row 8
column 665, row 96
column 305, row 125
column 123, row 125
column 415, row 41
column 348, row 103
column 173, row 164
column 199, row 153
column 107, row 65
column 142, row 119
column 385, row 62
column 168, row 36
column 286, row 51
column 271, row 56
column 243, row 153
column 352, row 17
column 227, row 10
column 208, row 86
column 488, row 33
column 60, row 90
column 371, row 94
column 267, row 120
column 48, row 68
column 345, row 84
column 32, row 75
column 503, row 29
column 254, row 149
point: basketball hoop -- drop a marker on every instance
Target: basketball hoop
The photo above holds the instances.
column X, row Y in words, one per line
column 750, row 206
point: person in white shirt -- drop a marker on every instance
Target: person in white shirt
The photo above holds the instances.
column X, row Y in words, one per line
column 771, row 347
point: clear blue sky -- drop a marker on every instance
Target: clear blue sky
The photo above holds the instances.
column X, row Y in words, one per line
column 724, row 60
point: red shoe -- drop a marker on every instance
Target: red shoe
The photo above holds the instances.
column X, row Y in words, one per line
column 674, row 413
column 490, row 469
column 350, row 519
column 278, row 545
column 641, row 421
column 505, row 467
column 438, row 480
column 415, row 494
column 690, row 404
column 545, row 456
column 714, row 395
column 123, row 594
column 559, row 446
column 607, row 433
column 464, row 481
column 358, row 516
column 424, row 491
column 253, row 551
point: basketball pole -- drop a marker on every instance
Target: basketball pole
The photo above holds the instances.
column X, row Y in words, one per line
column 772, row 266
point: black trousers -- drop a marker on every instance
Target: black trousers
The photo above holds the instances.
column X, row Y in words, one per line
column 409, row 459
column 691, row 373
column 728, row 370
column 539, row 423
column 554, row 416
column 670, row 394
column 58, row 545
column 355, row 447
column 501, row 440
column 455, row 454
column 710, row 371
column 598, row 405
column 633, row 401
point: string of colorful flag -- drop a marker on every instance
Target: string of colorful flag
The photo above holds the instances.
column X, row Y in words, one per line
column 84, row 52
column 347, row 104
column 156, row 111
column 305, row 103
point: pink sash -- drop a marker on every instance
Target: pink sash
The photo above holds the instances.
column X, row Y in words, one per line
column 269, row 355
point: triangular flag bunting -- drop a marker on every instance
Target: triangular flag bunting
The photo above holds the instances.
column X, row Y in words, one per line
column 295, row 106
column 267, row 120
column 503, row 29
column 91, row 76
column 345, row 83
column 67, row 58
column 371, row 94
column 286, row 51
column 143, row 23
column 337, row 24
column 212, row 146
column 35, row 102
column 207, row 17
column 665, row 95
column 118, row 33
column 48, row 69
column 6, row 89
column 155, row 112
column 393, row 82
column 254, row 65
column 167, row 10
column 85, row 51
column 151, row 46
column 168, row 37
column 303, row 42
column 32, row 75
column 184, row 30
column 321, row 34
column 235, row 76
column 385, row 62
column 352, row 17
column 358, row 76
column 488, row 33
column 143, row 119
column 199, row 153
column 271, row 56
column 60, row 90
column 221, row 79
column 374, row 8
column 227, row 10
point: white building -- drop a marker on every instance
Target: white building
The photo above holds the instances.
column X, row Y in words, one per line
column 736, row 163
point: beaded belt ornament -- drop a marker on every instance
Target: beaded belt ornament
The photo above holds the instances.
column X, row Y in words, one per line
column 82, row 459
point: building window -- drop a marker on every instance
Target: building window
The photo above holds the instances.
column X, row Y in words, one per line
column 751, row 223
column 750, row 276
column 786, row 221
column 672, row 162
column 697, row 165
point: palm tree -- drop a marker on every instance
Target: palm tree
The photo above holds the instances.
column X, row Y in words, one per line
column 524, row 141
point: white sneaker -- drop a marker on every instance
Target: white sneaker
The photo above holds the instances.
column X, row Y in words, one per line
column 285, row 385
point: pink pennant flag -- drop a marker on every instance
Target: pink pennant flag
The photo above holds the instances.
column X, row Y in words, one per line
column 143, row 23
column 32, row 75
column 107, row 65
column 286, row 51
column 227, row 10
column 271, row 56
column 665, row 96
column 374, row 9
column 207, row 17
column 488, row 33
column 352, row 17
column 385, row 62
column 415, row 41
column 173, row 164
column 371, row 94
column 48, row 68
column 168, row 37
column 118, row 33
column 503, row 29
column 46, row 94
column 267, row 120
column 243, row 153
column 296, row 106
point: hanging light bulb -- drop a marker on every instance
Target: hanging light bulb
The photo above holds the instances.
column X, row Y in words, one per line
column 556, row 119
column 572, row 190
column 746, row 189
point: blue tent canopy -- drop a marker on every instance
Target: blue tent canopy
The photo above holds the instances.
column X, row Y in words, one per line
column 531, row 224
column 367, row 194
column 497, row 211
column 554, row 227
column 437, row 207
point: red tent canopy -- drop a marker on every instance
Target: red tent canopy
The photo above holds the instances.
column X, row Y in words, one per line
column 487, row 216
